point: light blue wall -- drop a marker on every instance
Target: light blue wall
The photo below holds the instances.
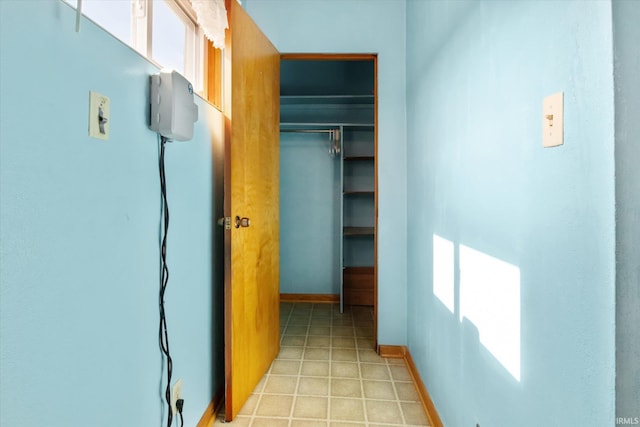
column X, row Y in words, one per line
column 309, row 215
column 79, row 217
column 478, row 177
column 79, row 234
column 362, row 26
column 626, row 33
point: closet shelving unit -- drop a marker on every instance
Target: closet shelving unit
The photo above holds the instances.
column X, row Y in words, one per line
column 349, row 120
column 358, row 213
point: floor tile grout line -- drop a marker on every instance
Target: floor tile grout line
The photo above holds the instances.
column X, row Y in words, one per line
column 395, row 392
column 267, row 376
column 362, row 393
column 356, row 326
column 304, row 351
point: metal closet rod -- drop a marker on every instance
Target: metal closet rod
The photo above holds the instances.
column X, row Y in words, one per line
column 309, row 130
column 334, row 137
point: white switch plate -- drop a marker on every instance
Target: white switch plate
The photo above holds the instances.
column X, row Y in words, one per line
column 99, row 105
column 553, row 120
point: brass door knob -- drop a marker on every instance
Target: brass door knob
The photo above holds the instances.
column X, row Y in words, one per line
column 242, row 222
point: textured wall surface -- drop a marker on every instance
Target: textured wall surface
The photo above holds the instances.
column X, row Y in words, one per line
column 362, row 26
column 79, row 234
column 500, row 262
column 309, row 207
column 511, row 254
column 626, row 33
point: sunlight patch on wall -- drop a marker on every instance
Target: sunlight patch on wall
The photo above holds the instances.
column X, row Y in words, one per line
column 490, row 299
column 443, row 271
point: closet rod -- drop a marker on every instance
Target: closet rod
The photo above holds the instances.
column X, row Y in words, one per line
column 334, row 137
column 309, row 130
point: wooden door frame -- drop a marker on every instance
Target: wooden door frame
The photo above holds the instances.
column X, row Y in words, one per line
column 359, row 57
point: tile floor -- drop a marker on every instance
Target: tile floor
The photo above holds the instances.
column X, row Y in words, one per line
column 328, row 374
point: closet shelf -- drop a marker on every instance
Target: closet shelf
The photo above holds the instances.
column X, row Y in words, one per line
column 358, row 158
column 298, row 125
column 359, row 192
column 358, row 231
column 326, row 99
column 358, row 268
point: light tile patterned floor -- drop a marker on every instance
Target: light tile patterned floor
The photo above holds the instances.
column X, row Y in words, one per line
column 328, row 374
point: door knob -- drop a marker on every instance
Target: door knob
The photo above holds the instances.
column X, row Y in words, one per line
column 242, row 222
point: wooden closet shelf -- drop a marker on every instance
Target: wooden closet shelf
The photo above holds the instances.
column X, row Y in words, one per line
column 358, row 269
column 356, row 158
column 358, row 231
column 359, row 192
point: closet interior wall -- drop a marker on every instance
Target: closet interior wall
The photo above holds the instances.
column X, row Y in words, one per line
column 327, row 181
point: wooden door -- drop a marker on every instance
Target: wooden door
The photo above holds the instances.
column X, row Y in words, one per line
column 252, row 276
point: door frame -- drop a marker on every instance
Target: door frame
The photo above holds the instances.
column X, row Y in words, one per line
column 359, row 57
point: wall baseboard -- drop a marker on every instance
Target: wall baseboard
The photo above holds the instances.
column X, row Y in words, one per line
column 402, row 352
column 316, row 298
column 392, row 351
column 209, row 416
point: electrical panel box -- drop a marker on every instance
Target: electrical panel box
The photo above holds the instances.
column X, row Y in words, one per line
column 172, row 112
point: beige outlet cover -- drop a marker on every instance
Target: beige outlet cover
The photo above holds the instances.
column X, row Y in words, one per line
column 553, row 120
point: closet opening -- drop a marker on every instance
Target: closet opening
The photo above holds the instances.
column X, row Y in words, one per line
column 328, row 179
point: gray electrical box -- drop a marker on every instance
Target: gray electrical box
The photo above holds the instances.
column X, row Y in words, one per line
column 172, row 112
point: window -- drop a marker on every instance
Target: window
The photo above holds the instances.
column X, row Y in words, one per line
column 169, row 38
column 165, row 31
column 113, row 16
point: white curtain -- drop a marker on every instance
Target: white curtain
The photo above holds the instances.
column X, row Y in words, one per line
column 212, row 17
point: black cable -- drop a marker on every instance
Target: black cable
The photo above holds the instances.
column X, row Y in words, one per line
column 179, row 406
column 164, row 279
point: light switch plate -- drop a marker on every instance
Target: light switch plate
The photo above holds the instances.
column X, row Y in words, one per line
column 99, row 115
column 553, row 120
